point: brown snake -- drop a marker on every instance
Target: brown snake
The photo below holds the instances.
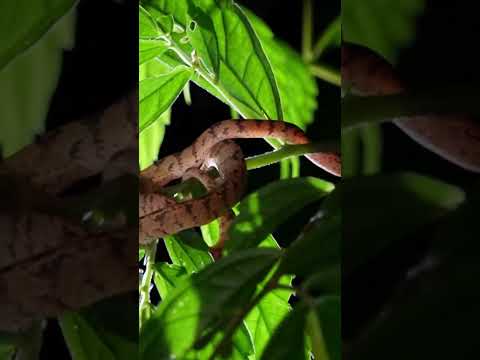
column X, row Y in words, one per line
column 454, row 137
column 48, row 263
column 161, row 215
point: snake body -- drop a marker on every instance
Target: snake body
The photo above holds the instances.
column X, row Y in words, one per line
column 160, row 215
column 49, row 263
column 453, row 137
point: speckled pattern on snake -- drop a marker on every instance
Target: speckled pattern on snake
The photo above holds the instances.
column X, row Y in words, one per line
column 48, row 263
column 161, row 215
column 454, row 137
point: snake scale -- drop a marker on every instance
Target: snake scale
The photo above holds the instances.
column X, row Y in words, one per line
column 160, row 215
column 48, row 263
column 454, row 137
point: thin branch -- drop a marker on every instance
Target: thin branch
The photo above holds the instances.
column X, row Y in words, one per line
column 307, row 30
column 288, row 151
column 327, row 74
column 327, row 38
column 358, row 111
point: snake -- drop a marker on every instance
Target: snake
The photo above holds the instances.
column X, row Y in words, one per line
column 454, row 137
column 160, row 215
column 49, row 263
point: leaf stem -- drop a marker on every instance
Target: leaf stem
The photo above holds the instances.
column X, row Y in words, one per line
column 144, row 289
column 358, row 111
column 327, row 74
column 287, row 151
column 327, row 38
column 307, row 30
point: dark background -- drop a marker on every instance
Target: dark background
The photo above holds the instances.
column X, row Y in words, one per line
column 103, row 67
column 444, row 52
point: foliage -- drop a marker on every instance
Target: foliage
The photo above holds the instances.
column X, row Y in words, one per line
column 32, row 39
column 410, row 240
column 238, row 307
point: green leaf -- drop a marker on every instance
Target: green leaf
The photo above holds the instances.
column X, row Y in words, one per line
column 203, row 39
column 23, row 23
column 151, row 139
column 28, row 82
column 245, row 82
column 148, row 28
column 6, row 351
column 167, row 277
column 82, row 340
column 188, row 250
column 288, row 341
column 245, row 72
column 266, row 316
column 158, row 93
column 262, row 211
column 382, row 25
column 318, row 249
column 381, row 209
column 176, row 8
column 150, row 49
column 141, row 254
column 325, row 328
column 154, row 24
column 207, row 300
column 435, row 310
column 211, row 233
column 299, row 97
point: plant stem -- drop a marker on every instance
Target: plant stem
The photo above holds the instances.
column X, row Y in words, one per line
column 357, row 111
column 288, row 151
column 144, row 289
column 314, row 329
column 327, row 37
column 307, row 30
column 186, row 94
column 237, row 320
column 327, row 74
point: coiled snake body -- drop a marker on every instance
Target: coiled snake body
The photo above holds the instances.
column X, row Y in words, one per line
column 454, row 137
column 161, row 215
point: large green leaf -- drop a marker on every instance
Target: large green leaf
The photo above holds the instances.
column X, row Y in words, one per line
column 262, row 211
column 208, row 300
column 106, row 330
column 176, row 8
column 167, row 276
column 435, row 312
column 318, row 249
column 28, row 82
column 23, row 23
column 150, row 49
column 203, row 39
column 298, row 97
column 288, row 341
column 150, row 140
column 381, row 209
column 325, row 328
column 87, row 342
column 382, row 25
column 188, row 250
column 266, row 316
column 152, row 26
column 158, row 93
column 222, row 31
